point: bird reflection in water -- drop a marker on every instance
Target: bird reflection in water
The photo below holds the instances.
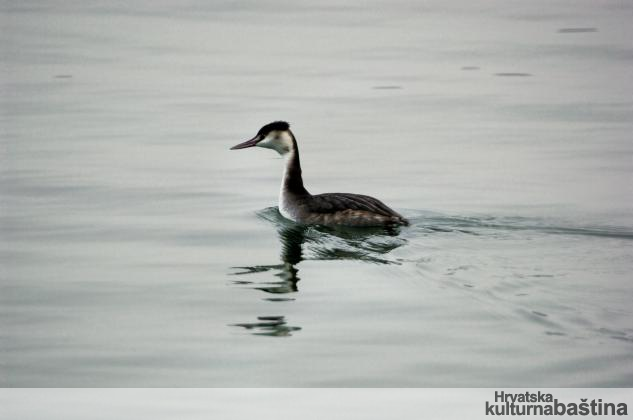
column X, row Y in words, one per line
column 270, row 326
column 303, row 242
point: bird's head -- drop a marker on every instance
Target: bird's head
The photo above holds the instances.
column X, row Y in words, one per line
column 276, row 136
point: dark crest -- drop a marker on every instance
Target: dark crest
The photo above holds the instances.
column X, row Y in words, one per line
column 273, row 126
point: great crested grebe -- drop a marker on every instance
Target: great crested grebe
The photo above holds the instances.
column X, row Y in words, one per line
column 297, row 204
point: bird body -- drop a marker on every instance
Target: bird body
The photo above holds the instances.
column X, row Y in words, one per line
column 330, row 209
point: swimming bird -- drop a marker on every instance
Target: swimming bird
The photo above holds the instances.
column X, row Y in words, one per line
column 331, row 209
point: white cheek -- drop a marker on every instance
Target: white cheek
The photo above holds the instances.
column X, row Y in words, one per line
column 264, row 143
column 281, row 144
column 286, row 141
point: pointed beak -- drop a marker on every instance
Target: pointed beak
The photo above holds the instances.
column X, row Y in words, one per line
column 248, row 143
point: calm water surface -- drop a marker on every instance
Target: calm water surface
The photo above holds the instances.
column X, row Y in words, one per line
column 137, row 250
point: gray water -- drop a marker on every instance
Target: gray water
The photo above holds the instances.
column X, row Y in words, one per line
column 137, row 250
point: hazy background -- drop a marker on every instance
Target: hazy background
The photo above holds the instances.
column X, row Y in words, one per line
column 136, row 250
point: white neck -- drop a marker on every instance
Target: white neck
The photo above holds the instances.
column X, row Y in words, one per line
column 284, row 202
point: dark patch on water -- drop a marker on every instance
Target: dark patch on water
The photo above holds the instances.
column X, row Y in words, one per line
column 470, row 68
column 540, row 318
column 452, row 271
column 616, row 334
column 387, row 87
column 576, row 30
column 513, row 74
column 271, row 318
column 621, row 338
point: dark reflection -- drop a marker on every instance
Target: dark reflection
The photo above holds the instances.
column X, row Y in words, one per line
column 301, row 242
column 271, row 326
column 287, row 282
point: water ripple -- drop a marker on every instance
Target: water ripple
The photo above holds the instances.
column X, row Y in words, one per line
column 476, row 225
